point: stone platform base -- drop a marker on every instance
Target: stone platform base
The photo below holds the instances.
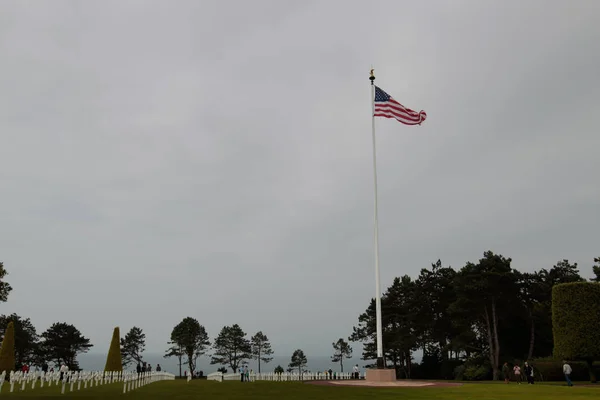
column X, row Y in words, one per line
column 381, row 375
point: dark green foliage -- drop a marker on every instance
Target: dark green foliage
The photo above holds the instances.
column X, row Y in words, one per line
column 62, row 342
column 175, row 351
column 114, row 363
column 481, row 315
column 26, row 338
column 552, row 370
column 341, row 350
column 278, row 369
column 5, row 287
column 576, row 322
column 231, row 347
column 596, row 270
column 7, row 351
column 261, row 348
column 132, row 346
column 191, row 340
column 298, row 361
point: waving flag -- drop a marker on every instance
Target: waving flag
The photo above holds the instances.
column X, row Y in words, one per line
column 386, row 106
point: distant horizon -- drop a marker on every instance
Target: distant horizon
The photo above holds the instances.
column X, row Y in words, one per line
column 95, row 361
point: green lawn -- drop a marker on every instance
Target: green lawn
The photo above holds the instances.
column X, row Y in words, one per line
column 180, row 389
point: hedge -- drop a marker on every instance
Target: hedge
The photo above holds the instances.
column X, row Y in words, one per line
column 576, row 322
column 552, row 370
column 113, row 360
column 7, row 351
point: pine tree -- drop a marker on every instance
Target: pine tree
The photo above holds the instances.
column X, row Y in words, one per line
column 113, row 361
column 7, row 351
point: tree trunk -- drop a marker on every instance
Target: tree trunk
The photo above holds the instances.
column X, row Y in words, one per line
column 490, row 343
column 408, row 364
column 259, row 354
column 590, row 365
column 496, row 341
column 531, row 337
column 341, row 364
column 180, row 357
column 190, row 366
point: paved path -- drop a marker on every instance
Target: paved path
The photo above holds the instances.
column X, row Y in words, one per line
column 399, row 383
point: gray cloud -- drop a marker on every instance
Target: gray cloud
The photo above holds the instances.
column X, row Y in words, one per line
column 158, row 160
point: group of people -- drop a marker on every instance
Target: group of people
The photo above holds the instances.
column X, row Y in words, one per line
column 146, row 367
column 529, row 373
column 245, row 373
column 330, row 374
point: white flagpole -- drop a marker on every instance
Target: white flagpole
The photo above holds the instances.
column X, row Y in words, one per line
column 380, row 363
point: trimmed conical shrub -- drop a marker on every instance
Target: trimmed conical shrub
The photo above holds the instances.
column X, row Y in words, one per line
column 113, row 361
column 7, row 351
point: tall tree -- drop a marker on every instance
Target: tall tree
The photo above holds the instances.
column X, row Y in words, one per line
column 192, row 338
column 62, row 342
column 298, row 361
column 26, row 338
column 175, row 351
column 365, row 331
column 231, row 347
column 261, row 348
column 399, row 313
column 132, row 346
column 435, row 291
column 5, row 287
column 341, row 350
column 487, row 291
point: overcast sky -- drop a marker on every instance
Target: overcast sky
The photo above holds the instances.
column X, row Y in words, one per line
column 213, row 159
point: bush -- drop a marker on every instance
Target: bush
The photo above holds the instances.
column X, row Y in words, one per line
column 576, row 322
column 476, row 373
column 113, row 360
column 7, row 351
column 476, row 369
column 548, row 369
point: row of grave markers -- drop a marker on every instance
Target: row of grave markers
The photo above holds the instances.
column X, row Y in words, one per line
column 74, row 380
column 281, row 377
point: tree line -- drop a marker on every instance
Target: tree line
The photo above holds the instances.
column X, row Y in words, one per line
column 466, row 321
column 61, row 343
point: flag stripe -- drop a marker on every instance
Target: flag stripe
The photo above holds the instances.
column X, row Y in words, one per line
column 387, row 107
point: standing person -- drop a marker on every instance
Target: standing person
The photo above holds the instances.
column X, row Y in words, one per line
column 529, row 373
column 506, row 372
column 242, row 374
column 138, row 368
column 567, row 371
column 517, row 373
column 355, row 372
column 247, row 373
column 149, row 369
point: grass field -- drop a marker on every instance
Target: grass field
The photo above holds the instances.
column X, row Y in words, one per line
column 299, row 391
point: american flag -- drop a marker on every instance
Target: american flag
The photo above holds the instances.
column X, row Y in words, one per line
column 387, row 107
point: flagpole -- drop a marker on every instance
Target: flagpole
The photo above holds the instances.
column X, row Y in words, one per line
column 380, row 363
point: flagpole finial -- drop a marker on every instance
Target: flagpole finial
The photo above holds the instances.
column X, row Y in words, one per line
column 372, row 77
